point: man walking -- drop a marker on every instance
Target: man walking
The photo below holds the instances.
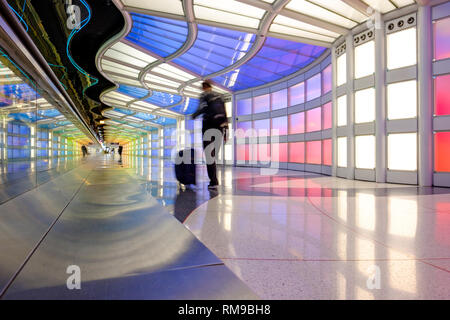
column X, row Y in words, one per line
column 214, row 129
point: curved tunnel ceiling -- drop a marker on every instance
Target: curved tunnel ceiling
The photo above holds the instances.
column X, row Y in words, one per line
column 169, row 46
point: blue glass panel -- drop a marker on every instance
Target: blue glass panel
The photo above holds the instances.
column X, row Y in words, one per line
column 189, row 106
column 165, row 121
column 215, row 49
column 50, row 113
column 131, row 91
column 159, row 35
column 20, row 91
column 144, row 116
column 162, row 99
column 124, row 111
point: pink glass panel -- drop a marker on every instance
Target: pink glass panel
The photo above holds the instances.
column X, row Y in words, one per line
column 261, row 104
column 442, row 39
column 244, row 107
column 262, row 127
column 280, row 154
column 264, row 152
column 297, row 123
column 442, row 95
column 314, row 120
column 314, row 152
column 327, row 152
column 327, row 116
column 313, row 87
column 442, row 151
column 279, row 99
column 297, row 94
column 242, row 153
column 297, row 152
column 327, row 79
column 279, row 126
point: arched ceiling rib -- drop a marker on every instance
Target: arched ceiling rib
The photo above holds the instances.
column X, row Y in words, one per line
column 164, row 40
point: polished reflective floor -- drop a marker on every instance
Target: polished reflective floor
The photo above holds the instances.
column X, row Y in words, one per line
column 291, row 235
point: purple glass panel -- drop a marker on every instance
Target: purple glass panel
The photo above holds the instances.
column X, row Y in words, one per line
column 297, row 123
column 327, row 79
column 314, row 120
column 261, row 104
column 279, row 126
column 313, row 87
column 442, row 39
column 279, row 99
column 244, row 107
column 297, row 94
column 262, row 127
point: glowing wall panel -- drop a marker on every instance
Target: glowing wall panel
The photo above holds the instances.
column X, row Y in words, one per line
column 327, row 110
column 341, row 69
column 245, row 126
column 365, row 59
column 264, row 153
column 365, row 152
column 242, row 152
column 401, row 49
column 342, row 152
column 279, row 152
column 279, row 126
column 314, row 152
column 442, row 39
column 442, row 152
column 342, row 111
column 244, row 107
column 402, row 100
column 327, row 152
column 365, row 105
column 402, row 151
column 327, row 79
column 279, row 99
column 314, row 120
column 297, row 123
column 297, row 152
column 297, row 94
column 262, row 127
column 314, row 87
column 442, row 95
column 261, row 103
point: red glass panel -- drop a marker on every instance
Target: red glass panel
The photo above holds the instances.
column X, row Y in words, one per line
column 242, row 153
column 279, row 152
column 442, row 95
column 314, row 152
column 442, row 152
column 327, row 152
column 297, row 152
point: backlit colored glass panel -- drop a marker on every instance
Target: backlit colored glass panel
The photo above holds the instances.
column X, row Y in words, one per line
column 442, row 152
column 327, row 152
column 313, row 87
column 261, row 104
column 402, row 151
column 442, row 39
column 297, row 152
column 279, row 99
column 314, row 120
column 297, row 123
column 327, row 79
column 279, row 152
column 297, row 94
column 279, row 126
column 264, row 153
column 244, row 107
column 262, row 127
column 442, row 95
column 243, row 129
column 314, row 152
column 242, row 152
column 327, row 110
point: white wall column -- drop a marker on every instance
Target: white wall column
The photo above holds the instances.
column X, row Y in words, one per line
column 350, row 107
column 380, row 100
column 425, row 74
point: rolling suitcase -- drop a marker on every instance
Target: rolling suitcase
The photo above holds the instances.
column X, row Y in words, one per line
column 185, row 167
